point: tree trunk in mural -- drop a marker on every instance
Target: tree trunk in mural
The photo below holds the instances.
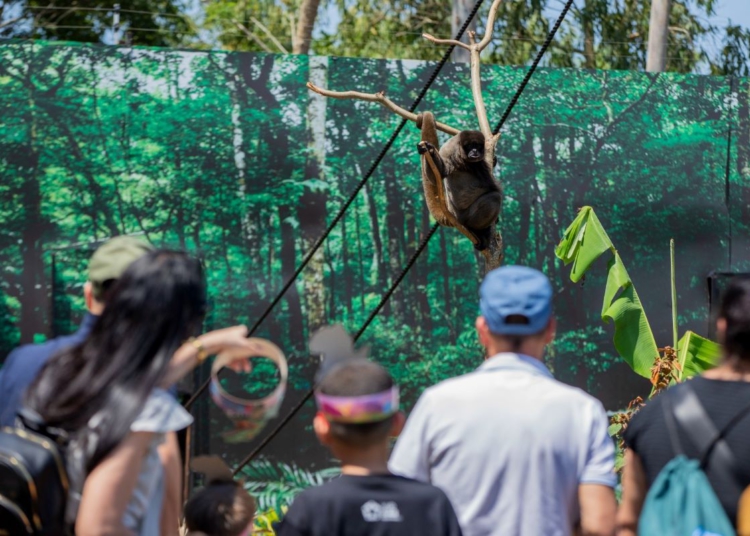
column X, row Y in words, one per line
column 33, row 290
column 312, row 208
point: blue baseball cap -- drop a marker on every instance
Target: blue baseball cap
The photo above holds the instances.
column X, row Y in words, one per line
column 516, row 290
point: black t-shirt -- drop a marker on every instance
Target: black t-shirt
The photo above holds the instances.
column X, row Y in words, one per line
column 647, row 434
column 376, row 505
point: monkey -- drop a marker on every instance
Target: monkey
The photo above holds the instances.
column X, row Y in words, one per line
column 472, row 198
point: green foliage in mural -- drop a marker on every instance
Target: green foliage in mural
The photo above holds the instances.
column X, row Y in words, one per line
column 230, row 157
column 274, row 485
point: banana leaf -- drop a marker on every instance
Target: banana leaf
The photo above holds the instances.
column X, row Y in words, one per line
column 584, row 242
column 696, row 354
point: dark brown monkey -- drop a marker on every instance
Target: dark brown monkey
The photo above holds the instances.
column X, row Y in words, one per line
column 471, row 194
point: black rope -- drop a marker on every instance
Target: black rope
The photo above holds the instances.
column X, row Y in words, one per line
column 533, row 67
column 289, row 416
column 298, row 406
column 354, row 194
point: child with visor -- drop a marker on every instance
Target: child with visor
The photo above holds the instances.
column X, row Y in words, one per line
column 358, row 410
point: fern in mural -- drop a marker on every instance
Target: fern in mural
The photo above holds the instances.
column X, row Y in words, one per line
column 274, row 485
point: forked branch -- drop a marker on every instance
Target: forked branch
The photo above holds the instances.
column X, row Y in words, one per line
column 475, row 48
column 381, row 99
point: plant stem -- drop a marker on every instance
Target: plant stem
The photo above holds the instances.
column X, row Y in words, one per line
column 674, row 293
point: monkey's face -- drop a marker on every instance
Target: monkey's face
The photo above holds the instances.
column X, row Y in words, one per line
column 472, row 143
column 474, row 153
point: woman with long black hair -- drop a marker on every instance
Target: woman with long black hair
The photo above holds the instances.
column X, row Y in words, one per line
column 108, row 393
column 722, row 398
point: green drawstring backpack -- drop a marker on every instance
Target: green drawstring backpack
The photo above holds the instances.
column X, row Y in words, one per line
column 681, row 501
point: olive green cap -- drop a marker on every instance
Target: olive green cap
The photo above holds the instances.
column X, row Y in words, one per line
column 113, row 258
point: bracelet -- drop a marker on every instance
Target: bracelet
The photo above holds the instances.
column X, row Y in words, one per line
column 198, row 345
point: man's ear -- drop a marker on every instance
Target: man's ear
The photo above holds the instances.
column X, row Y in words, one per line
column 399, row 419
column 322, row 429
column 721, row 329
column 549, row 334
column 88, row 295
column 482, row 330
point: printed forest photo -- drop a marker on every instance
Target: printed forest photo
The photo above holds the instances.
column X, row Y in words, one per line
column 230, row 157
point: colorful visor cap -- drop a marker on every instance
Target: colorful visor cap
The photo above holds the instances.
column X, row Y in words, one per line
column 359, row 409
column 249, row 416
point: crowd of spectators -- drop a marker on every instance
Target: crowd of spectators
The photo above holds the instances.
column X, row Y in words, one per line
column 506, row 450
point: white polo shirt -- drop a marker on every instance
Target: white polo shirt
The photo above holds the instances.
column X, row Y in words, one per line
column 509, row 445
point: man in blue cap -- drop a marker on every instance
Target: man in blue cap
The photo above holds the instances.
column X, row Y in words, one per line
column 517, row 452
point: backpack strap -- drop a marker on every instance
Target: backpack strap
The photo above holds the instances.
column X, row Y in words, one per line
column 692, row 418
column 31, row 420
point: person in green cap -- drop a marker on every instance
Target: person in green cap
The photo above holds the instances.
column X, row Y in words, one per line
column 24, row 363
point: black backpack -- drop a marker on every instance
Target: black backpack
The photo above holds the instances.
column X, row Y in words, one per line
column 33, row 480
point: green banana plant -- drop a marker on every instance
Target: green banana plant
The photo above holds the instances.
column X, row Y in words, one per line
column 584, row 242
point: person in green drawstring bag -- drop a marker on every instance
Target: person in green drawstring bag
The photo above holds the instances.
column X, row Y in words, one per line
column 686, row 463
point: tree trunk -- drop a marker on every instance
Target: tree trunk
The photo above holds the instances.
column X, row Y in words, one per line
column 288, row 265
column 422, row 270
column 394, row 222
column 311, row 211
column 360, row 260
column 308, row 12
column 460, row 11
column 447, row 288
column 33, row 294
column 658, row 34
column 377, row 243
column 743, row 149
column 588, row 37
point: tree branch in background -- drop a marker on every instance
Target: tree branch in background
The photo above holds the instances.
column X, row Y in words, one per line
column 254, row 37
column 446, row 41
column 270, row 35
column 380, row 98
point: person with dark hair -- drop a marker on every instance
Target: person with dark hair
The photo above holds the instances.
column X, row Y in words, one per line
column 107, row 393
column 358, row 409
column 222, row 508
column 23, row 364
column 517, row 452
column 722, row 399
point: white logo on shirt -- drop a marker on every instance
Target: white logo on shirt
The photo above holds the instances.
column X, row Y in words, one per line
column 374, row 511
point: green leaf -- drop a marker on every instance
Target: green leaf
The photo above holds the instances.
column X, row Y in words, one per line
column 614, row 429
column 584, row 242
column 697, row 354
column 633, row 339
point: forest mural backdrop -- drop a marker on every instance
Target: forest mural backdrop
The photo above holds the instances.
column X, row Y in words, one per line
column 229, row 156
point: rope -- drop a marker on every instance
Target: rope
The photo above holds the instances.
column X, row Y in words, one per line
column 353, row 195
column 533, row 67
column 298, row 406
column 289, row 416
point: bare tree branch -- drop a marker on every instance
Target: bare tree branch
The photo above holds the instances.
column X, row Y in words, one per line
column 254, row 37
column 270, row 35
column 446, row 41
column 490, row 26
column 381, row 99
column 3, row 24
